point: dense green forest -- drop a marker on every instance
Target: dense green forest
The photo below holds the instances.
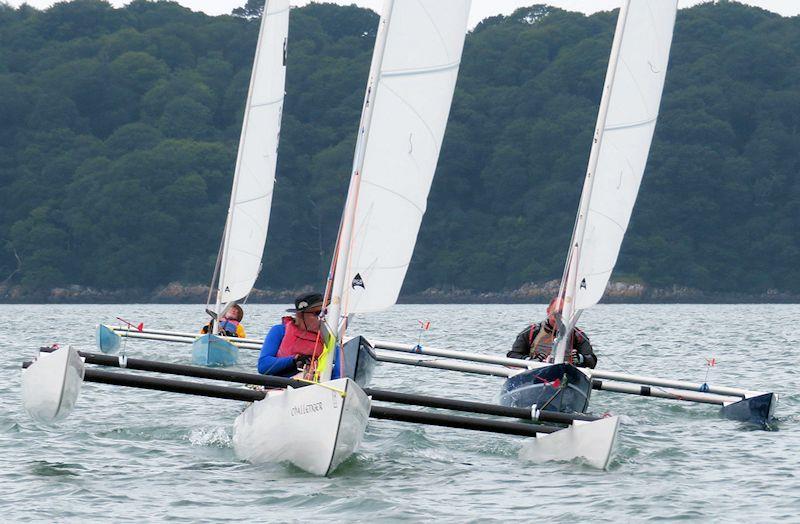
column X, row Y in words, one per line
column 119, row 128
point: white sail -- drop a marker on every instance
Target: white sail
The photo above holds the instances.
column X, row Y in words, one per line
column 412, row 88
column 634, row 83
column 251, row 197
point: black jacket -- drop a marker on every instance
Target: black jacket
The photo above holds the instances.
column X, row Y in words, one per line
column 522, row 346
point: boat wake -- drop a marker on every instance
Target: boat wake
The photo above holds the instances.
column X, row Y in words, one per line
column 218, row 437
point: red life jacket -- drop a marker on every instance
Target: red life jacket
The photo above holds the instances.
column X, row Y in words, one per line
column 298, row 341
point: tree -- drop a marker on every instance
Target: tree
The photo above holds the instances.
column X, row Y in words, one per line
column 252, row 9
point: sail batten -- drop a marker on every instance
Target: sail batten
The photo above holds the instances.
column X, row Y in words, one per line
column 421, row 71
column 254, row 177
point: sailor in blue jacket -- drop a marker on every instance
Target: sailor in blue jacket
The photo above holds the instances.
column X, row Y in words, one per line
column 290, row 346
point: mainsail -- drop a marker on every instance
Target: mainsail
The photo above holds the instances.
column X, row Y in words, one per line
column 625, row 123
column 411, row 92
column 253, row 181
column 406, row 106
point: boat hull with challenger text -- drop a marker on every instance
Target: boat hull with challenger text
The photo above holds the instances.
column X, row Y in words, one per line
column 316, row 428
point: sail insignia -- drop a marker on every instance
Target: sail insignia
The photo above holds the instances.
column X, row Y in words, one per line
column 358, row 281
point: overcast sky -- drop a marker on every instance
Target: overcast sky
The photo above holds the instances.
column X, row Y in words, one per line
column 480, row 8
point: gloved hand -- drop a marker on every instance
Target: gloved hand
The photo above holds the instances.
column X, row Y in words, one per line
column 541, row 357
column 575, row 357
column 301, row 361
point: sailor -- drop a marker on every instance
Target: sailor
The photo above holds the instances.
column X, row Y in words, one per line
column 230, row 325
column 536, row 342
column 290, row 346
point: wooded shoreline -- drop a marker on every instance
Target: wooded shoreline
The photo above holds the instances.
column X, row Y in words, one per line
column 120, row 129
column 532, row 293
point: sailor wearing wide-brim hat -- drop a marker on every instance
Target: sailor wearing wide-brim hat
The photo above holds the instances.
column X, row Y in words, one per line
column 291, row 345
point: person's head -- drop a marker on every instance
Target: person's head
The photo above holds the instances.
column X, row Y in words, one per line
column 306, row 311
column 235, row 312
column 550, row 324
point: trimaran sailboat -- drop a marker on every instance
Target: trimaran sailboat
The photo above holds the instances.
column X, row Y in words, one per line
column 406, row 105
column 239, row 259
column 625, row 124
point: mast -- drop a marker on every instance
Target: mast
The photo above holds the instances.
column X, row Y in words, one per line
column 568, row 287
column 335, row 315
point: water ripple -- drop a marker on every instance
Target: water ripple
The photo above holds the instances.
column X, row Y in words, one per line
column 133, row 456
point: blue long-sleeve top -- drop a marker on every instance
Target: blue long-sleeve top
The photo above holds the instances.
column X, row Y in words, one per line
column 270, row 364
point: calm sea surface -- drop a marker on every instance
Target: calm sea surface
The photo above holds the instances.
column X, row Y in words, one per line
column 131, row 455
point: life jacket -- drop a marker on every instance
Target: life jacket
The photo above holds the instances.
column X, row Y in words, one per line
column 298, row 341
column 227, row 328
column 543, row 342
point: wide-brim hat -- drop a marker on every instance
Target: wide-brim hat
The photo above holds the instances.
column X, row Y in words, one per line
column 306, row 302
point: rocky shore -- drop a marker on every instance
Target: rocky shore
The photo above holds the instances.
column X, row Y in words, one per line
column 177, row 293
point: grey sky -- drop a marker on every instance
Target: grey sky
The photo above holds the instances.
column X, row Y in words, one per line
column 480, row 8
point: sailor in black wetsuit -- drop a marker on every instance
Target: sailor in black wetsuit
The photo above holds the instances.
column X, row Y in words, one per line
column 536, row 342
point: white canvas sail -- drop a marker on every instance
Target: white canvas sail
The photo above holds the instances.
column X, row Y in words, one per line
column 251, row 197
column 411, row 90
column 632, row 94
column 625, row 124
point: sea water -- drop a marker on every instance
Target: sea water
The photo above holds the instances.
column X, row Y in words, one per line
column 127, row 455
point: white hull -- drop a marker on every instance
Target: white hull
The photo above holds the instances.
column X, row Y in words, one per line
column 314, row 427
column 51, row 384
column 590, row 441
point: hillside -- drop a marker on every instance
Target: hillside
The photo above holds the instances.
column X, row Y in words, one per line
column 119, row 127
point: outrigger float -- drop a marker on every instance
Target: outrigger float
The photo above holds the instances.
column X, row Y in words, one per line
column 337, row 411
column 744, row 405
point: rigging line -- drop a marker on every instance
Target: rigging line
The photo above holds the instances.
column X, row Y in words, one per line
column 216, row 267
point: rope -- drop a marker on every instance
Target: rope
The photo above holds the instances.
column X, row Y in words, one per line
column 342, row 393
